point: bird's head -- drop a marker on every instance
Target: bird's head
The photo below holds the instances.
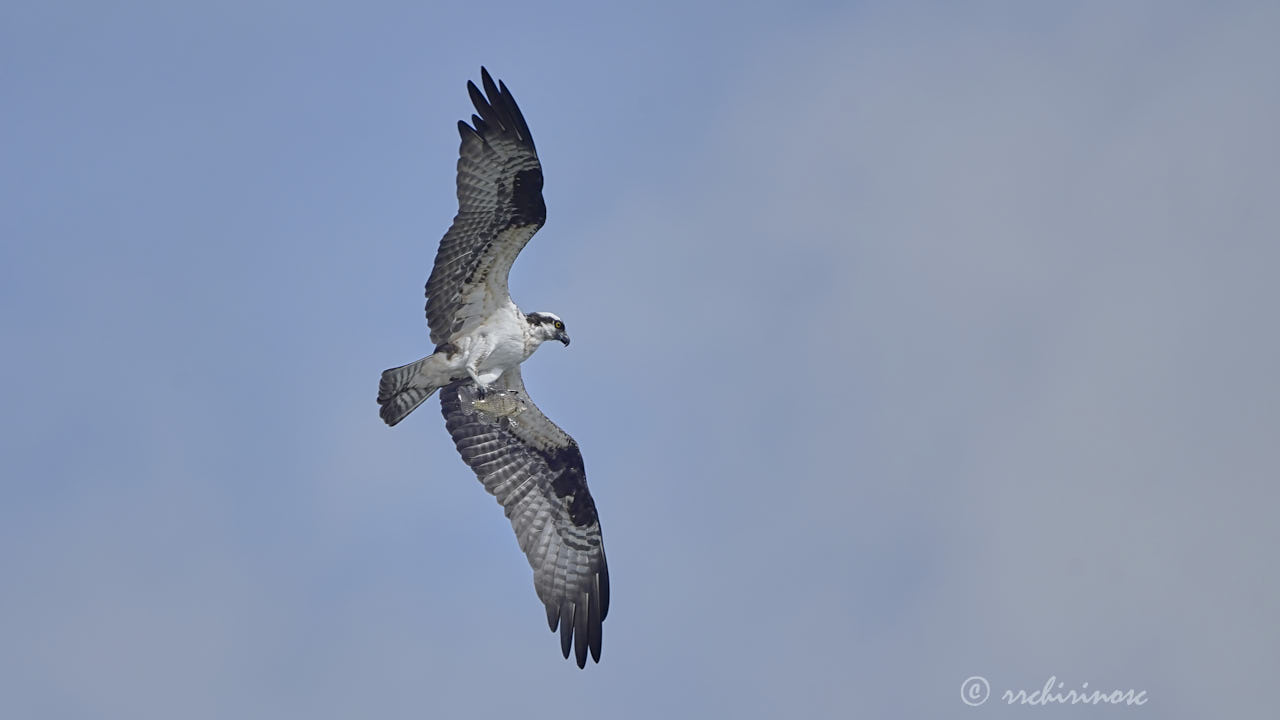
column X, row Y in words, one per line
column 548, row 326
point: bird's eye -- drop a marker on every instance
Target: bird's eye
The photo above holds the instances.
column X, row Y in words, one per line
column 559, row 325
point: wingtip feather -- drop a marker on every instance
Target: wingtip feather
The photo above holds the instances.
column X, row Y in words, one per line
column 595, row 625
column 582, row 631
column 478, row 99
column 602, row 582
column 566, row 628
column 490, row 89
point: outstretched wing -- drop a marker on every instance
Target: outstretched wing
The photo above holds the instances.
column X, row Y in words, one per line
column 500, row 207
column 535, row 471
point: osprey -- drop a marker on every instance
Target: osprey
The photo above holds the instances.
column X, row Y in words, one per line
column 527, row 462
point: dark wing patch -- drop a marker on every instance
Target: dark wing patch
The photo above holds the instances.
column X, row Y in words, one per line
column 500, row 207
column 535, row 471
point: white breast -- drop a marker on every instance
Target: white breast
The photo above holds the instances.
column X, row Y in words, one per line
column 499, row 343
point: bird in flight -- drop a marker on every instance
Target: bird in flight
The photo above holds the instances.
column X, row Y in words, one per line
column 527, row 462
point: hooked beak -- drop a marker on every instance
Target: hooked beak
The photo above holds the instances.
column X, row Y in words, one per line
column 563, row 337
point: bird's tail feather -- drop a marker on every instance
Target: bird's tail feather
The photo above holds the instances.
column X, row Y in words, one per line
column 404, row 388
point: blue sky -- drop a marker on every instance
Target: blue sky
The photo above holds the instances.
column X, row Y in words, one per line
column 912, row 341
